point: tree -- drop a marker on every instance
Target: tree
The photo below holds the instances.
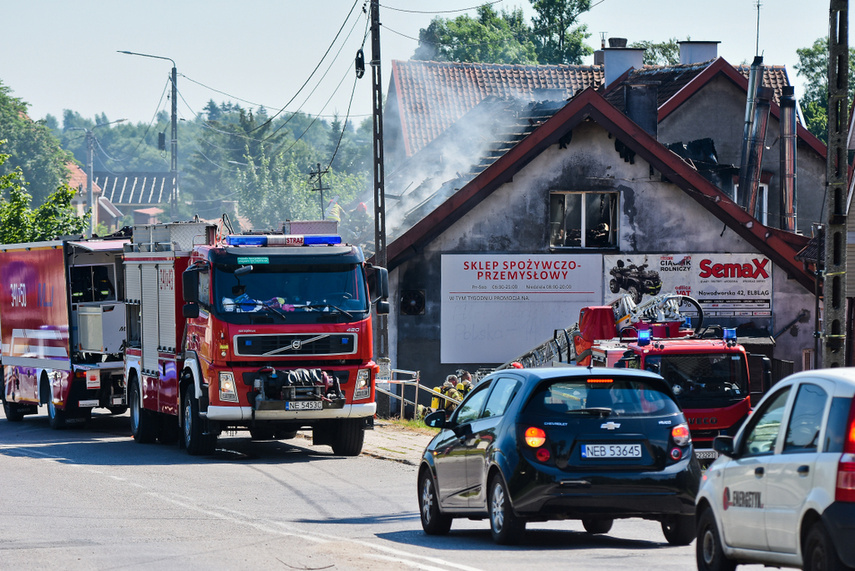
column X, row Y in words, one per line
column 558, row 42
column 31, row 147
column 491, row 38
column 660, row 53
column 19, row 223
column 813, row 67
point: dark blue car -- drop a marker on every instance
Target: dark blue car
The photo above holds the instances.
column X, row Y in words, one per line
column 593, row 444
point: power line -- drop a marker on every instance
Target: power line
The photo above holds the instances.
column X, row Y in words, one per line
column 440, row 11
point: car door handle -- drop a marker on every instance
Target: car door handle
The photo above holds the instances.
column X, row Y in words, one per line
column 803, row 471
column 759, row 471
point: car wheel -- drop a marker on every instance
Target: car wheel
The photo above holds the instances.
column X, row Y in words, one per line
column 708, row 551
column 819, row 552
column 434, row 522
column 505, row 526
column 679, row 529
column 596, row 526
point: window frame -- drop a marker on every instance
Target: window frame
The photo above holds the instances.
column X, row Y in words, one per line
column 554, row 231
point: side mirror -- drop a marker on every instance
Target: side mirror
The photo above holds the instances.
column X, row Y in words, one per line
column 190, row 310
column 190, row 285
column 767, row 374
column 723, row 445
column 382, row 307
column 436, row 419
column 382, row 282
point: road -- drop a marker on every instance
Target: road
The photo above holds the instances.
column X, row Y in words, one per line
column 91, row 498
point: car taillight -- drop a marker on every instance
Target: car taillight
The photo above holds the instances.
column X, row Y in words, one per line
column 535, row 437
column 680, row 434
column 846, row 467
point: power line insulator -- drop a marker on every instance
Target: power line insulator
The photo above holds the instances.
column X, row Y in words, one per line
column 360, row 64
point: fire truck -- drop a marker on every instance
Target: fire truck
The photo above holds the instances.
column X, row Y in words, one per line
column 707, row 369
column 269, row 333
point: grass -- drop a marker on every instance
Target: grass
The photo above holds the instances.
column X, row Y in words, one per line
column 412, row 425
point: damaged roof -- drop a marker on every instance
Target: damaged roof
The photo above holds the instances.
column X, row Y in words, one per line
column 427, row 97
column 136, row 188
column 448, row 207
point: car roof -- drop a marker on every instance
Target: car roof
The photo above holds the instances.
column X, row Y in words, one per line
column 843, row 377
column 537, row 374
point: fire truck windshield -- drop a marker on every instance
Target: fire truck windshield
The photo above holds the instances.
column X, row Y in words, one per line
column 703, row 380
column 254, row 293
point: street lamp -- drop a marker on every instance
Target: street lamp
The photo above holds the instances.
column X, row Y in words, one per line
column 174, row 147
column 90, row 175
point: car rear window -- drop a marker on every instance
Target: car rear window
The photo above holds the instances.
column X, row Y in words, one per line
column 622, row 397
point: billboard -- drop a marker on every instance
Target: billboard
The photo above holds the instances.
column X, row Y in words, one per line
column 726, row 285
column 495, row 307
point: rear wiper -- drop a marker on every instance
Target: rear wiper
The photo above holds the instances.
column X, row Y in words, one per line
column 601, row 411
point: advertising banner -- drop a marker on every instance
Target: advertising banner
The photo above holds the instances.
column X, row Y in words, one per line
column 495, row 307
column 725, row 285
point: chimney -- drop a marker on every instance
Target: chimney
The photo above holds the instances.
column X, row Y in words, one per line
column 617, row 59
column 697, row 52
column 788, row 159
column 755, row 80
column 749, row 177
column 642, row 105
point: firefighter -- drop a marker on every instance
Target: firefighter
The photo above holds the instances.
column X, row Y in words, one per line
column 465, row 384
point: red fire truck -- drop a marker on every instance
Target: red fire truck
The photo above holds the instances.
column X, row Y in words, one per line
column 709, row 375
column 270, row 333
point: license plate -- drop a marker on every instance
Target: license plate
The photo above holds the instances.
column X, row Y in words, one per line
column 611, row 451
column 304, row 405
column 87, row 403
column 706, row 454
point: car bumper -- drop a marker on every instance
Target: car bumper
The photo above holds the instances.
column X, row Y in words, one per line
column 245, row 413
column 839, row 520
column 548, row 492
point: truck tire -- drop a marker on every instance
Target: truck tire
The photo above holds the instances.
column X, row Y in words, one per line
column 168, row 432
column 261, row 432
column 194, row 438
column 143, row 422
column 12, row 411
column 56, row 417
column 348, row 437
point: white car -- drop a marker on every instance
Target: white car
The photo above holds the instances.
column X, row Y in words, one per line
column 782, row 491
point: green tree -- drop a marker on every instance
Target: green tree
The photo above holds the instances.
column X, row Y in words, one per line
column 491, row 37
column 558, row 41
column 813, row 67
column 31, row 147
column 660, row 53
column 19, row 223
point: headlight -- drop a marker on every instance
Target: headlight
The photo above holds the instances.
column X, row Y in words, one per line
column 363, row 385
column 228, row 390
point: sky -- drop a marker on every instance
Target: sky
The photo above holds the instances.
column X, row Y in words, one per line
column 61, row 55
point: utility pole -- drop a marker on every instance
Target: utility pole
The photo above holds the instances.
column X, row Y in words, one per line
column 173, row 154
column 379, row 183
column 320, row 186
column 834, row 274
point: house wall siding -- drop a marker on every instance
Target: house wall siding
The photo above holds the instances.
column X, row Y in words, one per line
column 655, row 217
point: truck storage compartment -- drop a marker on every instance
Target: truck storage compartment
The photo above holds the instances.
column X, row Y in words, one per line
column 101, row 328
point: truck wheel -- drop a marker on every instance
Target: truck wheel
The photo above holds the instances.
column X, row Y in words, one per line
column 679, row 529
column 56, row 417
column 168, row 431
column 261, row 432
column 348, row 437
column 12, row 411
column 708, row 552
column 143, row 422
column 195, row 440
column 819, row 551
column 117, row 410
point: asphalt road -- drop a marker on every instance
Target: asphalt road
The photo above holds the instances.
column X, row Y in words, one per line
column 91, row 498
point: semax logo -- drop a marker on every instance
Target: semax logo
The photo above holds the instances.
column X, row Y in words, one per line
column 755, row 270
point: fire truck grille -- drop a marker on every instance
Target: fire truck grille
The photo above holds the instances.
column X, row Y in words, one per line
column 303, row 344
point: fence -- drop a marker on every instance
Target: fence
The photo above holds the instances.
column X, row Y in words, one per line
column 410, row 379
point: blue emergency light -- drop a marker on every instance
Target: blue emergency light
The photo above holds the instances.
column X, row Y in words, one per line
column 644, row 337
column 730, row 334
column 283, row 240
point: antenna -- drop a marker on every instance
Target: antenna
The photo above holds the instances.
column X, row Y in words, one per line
column 757, row 42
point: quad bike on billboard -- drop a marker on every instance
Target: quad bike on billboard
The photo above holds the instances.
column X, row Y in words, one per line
column 635, row 280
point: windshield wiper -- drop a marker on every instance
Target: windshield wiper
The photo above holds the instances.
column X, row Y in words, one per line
column 327, row 306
